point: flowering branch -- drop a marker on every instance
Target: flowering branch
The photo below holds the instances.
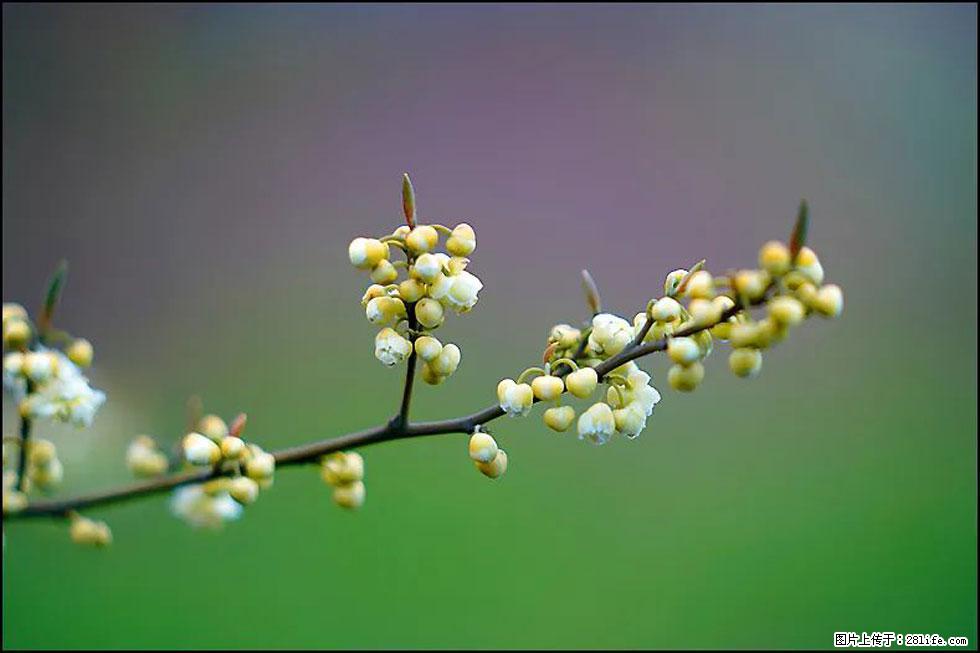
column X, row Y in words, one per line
column 227, row 472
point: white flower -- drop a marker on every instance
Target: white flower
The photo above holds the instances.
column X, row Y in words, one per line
column 610, row 334
column 391, row 348
column 458, row 291
column 62, row 391
column 202, row 510
column 597, row 424
column 515, row 398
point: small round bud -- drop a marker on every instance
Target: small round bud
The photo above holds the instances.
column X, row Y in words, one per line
column 429, row 313
column 809, row 265
column 745, row 362
column 89, row 532
column 565, row 335
column 41, row 452
column 704, row 311
column 341, row 468
column 402, row 231
column 428, row 267
column 462, row 242
column 430, row 376
column 751, row 283
column 213, row 427
column 744, row 334
column 559, row 418
column 666, row 309
column 547, row 387
column 483, row 448
column 774, row 258
column 496, row 467
column 673, row 280
column 13, row 311
column 422, row 239
column 447, row 361
column 411, row 290
column 582, row 382
column 787, row 311
column 384, row 272
column 200, row 450
column 144, row 459
column 427, row 348
column 722, row 330
column 243, row 490
column 515, row 398
column 80, row 352
column 700, row 285
column 683, row 351
column 829, row 301
column 16, row 333
column 685, row 378
column 350, row 496
column 365, row 253
column 385, row 310
column 374, row 290
column 232, row 447
column 260, row 466
column 771, row 331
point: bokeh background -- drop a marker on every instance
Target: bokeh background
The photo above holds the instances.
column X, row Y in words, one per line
column 204, row 167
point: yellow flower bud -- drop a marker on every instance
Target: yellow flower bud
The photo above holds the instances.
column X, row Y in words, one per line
column 243, row 490
column 683, row 351
column 384, row 272
column 483, row 448
column 16, row 333
column 428, row 267
column 582, row 382
column 547, row 387
column 41, row 452
column 809, row 265
column 411, row 290
column 565, row 335
column 342, row 468
column 350, row 496
column 666, row 309
column 430, row 376
column 829, row 301
column 752, row 283
column 260, row 465
column 744, row 334
column 385, row 310
column 559, row 418
column 429, row 313
column 722, row 330
column 701, row 285
column 213, row 427
column 787, row 311
column 685, row 378
column 48, row 475
column 770, row 331
column 422, row 239
column 447, row 361
column 89, row 532
column 704, row 311
column 704, row 341
column 374, row 290
column 365, row 253
column 673, row 280
column 80, row 352
column 232, row 447
column 200, row 450
column 462, row 242
column 427, row 348
column 13, row 311
column 745, row 362
column 515, row 398
column 774, row 258
column 496, row 467
column 144, row 459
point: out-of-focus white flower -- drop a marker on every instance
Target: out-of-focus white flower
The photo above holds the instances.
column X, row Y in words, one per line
column 61, row 392
column 458, row 291
column 515, row 398
column 202, row 510
column 597, row 424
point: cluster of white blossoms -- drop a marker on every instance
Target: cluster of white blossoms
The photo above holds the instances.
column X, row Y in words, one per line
column 344, row 472
column 410, row 297
column 241, row 470
column 46, row 382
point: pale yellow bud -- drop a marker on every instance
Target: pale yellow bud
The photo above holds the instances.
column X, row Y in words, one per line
column 722, row 330
column 41, row 452
column 700, row 285
column 213, row 427
column 366, row 253
column 809, row 265
column 683, row 350
column 666, row 309
column 89, row 532
column 806, row 292
column 447, row 361
column 384, row 272
column 547, row 387
column 429, row 313
column 462, row 242
column 243, row 490
column 559, row 418
column 515, row 398
column 673, row 280
column 260, row 465
column 483, row 448
column 80, row 352
column 200, row 450
column 385, row 310
column 752, row 283
column 771, row 331
column 582, row 382
column 374, row 290
column 402, row 231
column 744, row 334
column 787, row 311
column 341, row 468
column 774, row 258
column 704, row 311
column 745, row 362
column 428, row 267
column 16, row 333
column 630, row 420
column 427, row 348
column 13, row 311
column 350, row 496
column 496, row 467
column 430, row 376
column 685, row 378
column 411, row 290
column 565, row 335
column 232, row 447
column 829, row 301
column 422, row 239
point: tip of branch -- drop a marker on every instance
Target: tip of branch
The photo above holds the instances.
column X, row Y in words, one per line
column 591, row 291
column 408, row 200
column 798, row 239
column 237, row 425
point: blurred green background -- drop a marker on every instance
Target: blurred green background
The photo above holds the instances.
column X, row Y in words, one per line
column 204, row 167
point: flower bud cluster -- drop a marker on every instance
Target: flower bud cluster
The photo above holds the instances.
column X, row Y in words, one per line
column 344, row 472
column 89, row 532
column 490, row 460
